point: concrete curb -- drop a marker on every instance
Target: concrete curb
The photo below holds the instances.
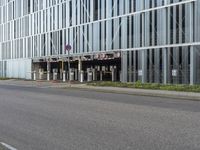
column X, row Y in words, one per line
column 4, row 146
column 141, row 92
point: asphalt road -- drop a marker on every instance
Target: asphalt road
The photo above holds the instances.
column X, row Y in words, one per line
column 61, row 119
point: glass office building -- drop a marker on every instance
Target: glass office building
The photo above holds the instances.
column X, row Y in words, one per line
column 154, row 41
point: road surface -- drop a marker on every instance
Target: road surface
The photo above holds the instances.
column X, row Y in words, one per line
column 33, row 118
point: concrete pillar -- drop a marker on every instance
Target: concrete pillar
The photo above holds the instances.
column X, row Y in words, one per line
column 124, row 66
column 157, row 66
column 144, row 52
column 139, row 65
column 130, row 73
column 135, row 66
column 165, row 66
column 176, row 65
column 185, row 64
column 192, row 65
column 193, row 57
column 4, row 69
column 169, row 66
column 150, row 73
column 144, row 66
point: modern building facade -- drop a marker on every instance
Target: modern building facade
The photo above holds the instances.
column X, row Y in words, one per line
column 120, row 40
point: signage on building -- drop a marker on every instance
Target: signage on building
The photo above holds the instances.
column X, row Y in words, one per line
column 174, row 72
column 140, row 73
column 68, row 47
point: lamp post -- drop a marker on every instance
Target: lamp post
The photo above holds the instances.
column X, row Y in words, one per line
column 68, row 48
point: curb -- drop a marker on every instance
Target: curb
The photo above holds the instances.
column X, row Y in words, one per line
column 4, row 146
column 137, row 93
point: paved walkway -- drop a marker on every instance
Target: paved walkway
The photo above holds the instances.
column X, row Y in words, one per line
column 130, row 91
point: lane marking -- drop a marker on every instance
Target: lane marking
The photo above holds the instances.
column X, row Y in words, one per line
column 8, row 146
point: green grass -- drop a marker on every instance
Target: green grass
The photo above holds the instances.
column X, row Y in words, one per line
column 3, row 78
column 152, row 86
column 2, row 147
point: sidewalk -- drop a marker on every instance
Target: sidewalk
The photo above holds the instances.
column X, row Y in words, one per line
column 130, row 91
column 29, row 83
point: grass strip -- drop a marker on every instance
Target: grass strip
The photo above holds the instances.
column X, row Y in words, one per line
column 4, row 78
column 150, row 86
column 2, row 147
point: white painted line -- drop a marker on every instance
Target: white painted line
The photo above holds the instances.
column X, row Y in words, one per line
column 8, row 146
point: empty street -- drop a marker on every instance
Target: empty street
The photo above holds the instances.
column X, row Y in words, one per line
column 35, row 118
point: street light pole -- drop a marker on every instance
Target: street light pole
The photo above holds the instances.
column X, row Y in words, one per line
column 68, row 48
column 68, row 66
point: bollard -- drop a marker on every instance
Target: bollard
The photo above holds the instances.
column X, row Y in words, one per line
column 71, row 75
column 41, row 75
column 34, row 75
column 113, row 74
column 67, row 75
column 120, row 74
column 48, row 75
column 81, row 76
column 94, row 74
column 64, row 76
column 76, row 74
column 61, row 74
column 89, row 75
column 55, row 76
column 101, row 75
